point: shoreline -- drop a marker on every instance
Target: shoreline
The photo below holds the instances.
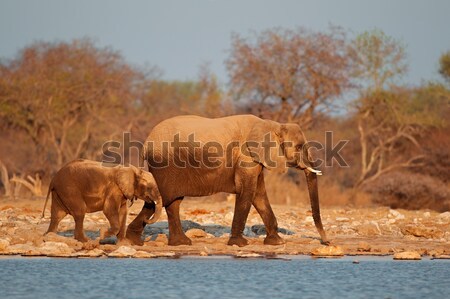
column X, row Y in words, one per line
column 354, row 232
column 348, row 258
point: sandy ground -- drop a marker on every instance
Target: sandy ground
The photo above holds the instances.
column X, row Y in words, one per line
column 368, row 231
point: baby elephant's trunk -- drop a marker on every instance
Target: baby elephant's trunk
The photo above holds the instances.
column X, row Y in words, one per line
column 158, row 209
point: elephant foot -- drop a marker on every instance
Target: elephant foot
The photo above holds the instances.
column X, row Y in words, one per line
column 179, row 240
column 325, row 242
column 274, row 239
column 239, row 241
column 134, row 237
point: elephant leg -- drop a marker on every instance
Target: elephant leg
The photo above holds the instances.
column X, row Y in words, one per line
column 122, row 221
column 136, row 227
column 79, row 232
column 176, row 234
column 241, row 210
column 112, row 213
column 57, row 214
column 262, row 205
column 246, row 182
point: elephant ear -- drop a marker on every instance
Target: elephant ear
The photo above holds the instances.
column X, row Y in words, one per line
column 265, row 145
column 126, row 180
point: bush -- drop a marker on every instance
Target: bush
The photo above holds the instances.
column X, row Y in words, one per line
column 410, row 191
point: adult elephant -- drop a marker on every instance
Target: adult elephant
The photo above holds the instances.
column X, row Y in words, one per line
column 197, row 156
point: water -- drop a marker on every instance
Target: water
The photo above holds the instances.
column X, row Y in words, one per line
column 216, row 277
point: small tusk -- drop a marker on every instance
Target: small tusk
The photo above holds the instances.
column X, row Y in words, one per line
column 318, row 172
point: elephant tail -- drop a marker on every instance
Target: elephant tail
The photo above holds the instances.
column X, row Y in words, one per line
column 50, row 189
column 143, row 156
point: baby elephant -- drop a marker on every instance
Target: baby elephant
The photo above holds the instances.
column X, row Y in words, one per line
column 84, row 186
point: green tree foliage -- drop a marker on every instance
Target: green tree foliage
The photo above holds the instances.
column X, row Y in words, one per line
column 378, row 59
column 444, row 66
column 390, row 118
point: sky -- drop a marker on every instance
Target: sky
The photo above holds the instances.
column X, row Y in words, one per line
column 179, row 36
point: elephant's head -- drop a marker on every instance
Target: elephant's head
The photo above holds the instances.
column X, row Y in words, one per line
column 137, row 183
column 279, row 146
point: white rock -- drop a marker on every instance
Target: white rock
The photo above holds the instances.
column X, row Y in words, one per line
column 210, row 236
column 445, row 215
column 376, row 225
column 309, row 219
column 3, row 244
column 426, row 214
column 196, row 233
column 407, row 255
column 123, row 251
column 342, row 219
column 90, row 253
column 53, row 237
column 55, row 249
column 143, row 255
column 23, row 249
column 328, row 251
column 396, row 214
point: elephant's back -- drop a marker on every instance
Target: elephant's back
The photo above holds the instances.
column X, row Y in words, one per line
column 80, row 174
column 223, row 129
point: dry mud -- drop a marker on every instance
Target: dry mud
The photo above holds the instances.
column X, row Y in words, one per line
column 368, row 231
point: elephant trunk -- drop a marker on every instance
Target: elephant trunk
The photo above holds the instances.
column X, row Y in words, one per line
column 158, row 209
column 311, row 180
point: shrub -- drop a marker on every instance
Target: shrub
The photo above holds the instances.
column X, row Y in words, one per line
column 410, row 191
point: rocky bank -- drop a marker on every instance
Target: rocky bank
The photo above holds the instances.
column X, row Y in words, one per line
column 369, row 231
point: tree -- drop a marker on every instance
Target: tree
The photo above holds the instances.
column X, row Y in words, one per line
column 61, row 94
column 290, row 75
column 202, row 96
column 390, row 119
column 386, row 126
column 444, row 66
column 379, row 60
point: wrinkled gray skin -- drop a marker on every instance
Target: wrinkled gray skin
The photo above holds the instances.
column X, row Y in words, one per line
column 246, row 182
column 84, row 186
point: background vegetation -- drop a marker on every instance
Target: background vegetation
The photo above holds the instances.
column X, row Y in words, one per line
column 63, row 100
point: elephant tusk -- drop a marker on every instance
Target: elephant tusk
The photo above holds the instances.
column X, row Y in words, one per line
column 318, row 172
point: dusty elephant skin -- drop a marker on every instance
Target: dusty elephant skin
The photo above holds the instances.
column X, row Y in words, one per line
column 84, row 186
column 178, row 153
